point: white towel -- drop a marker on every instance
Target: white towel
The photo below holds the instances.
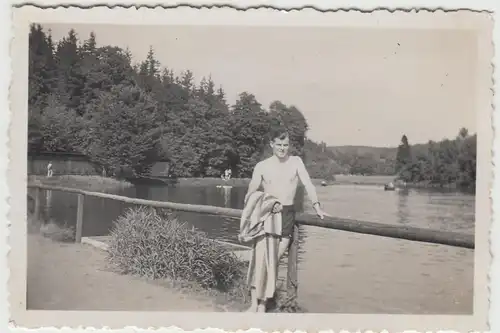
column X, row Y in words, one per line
column 262, row 227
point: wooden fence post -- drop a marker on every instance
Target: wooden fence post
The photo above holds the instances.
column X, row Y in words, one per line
column 79, row 219
column 292, row 272
column 37, row 204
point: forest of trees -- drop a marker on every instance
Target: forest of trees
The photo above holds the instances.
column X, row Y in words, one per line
column 443, row 163
column 125, row 117
column 358, row 160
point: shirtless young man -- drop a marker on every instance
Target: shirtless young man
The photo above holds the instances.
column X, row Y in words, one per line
column 279, row 175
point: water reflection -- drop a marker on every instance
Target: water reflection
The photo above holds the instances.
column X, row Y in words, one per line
column 227, row 196
column 403, row 207
column 48, row 202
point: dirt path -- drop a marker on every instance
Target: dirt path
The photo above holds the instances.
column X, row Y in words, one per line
column 74, row 277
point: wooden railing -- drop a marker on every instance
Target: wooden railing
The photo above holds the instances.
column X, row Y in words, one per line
column 378, row 229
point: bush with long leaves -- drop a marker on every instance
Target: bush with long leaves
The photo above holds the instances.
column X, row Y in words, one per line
column 148, row 244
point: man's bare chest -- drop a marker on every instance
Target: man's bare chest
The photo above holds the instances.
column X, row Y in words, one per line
column 280, row 173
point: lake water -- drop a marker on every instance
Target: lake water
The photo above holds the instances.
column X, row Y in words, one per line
column 339, row 272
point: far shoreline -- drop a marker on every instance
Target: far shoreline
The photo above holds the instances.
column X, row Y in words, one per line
column 339, row 180
column 98, row 183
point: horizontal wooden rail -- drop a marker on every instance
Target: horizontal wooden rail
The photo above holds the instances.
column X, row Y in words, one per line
column 372, row 228
column 392, row 231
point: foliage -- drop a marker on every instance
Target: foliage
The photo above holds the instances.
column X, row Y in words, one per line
column 322, row 162
column 146, row 244
column 120, row 133
column 444, row 163
column 357, row 160
column 403, row 156
column 124, row 117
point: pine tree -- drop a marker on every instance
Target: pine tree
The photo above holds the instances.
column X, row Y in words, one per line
column 403, row 156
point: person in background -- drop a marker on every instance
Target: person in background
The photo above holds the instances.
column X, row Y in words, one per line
column 50, row 172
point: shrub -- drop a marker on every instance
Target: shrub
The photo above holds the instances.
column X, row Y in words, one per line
column 91, row 183
column 146, row 244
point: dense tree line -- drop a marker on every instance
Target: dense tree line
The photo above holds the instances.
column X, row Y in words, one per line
column 321, row 160
column 444, row 163
column 124, row 117
column 364, row 160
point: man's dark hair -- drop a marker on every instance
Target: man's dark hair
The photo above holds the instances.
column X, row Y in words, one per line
column 280, row 133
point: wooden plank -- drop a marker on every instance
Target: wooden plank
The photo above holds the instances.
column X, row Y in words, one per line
column 79, row 219
column 95, row 243
column 392, row 231
column 292, row 283
column 102, row 242
column 37, row 204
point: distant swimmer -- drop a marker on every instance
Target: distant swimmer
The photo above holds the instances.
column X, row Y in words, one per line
column 226, row 175
column 50, row 172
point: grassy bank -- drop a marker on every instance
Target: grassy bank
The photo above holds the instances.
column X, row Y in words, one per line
column 90, row 183
column 212, row 182
column 446, row 187
column 363, row 180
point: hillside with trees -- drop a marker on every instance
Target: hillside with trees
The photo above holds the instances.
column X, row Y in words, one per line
column 124, row 117
column 444, row 163
column 363, row 160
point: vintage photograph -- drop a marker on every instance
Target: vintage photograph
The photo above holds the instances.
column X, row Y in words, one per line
column 269, row 169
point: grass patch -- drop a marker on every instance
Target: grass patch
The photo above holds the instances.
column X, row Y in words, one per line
column 212, row 181
column 57, row 233
column 363, row 180
column 51, row 230
column 90, row 183
column 145, row 244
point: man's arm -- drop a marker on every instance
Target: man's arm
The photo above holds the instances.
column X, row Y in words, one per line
column 306, row 181
column 255, row 182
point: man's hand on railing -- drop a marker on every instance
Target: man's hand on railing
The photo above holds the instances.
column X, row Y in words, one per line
column 317, row 207
column 240, row 238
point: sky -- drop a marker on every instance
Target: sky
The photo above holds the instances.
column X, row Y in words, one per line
column 355, row 86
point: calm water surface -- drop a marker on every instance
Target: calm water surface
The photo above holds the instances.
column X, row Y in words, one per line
column 338, row 271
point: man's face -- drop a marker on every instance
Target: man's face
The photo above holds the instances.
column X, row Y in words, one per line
column 280, row 147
